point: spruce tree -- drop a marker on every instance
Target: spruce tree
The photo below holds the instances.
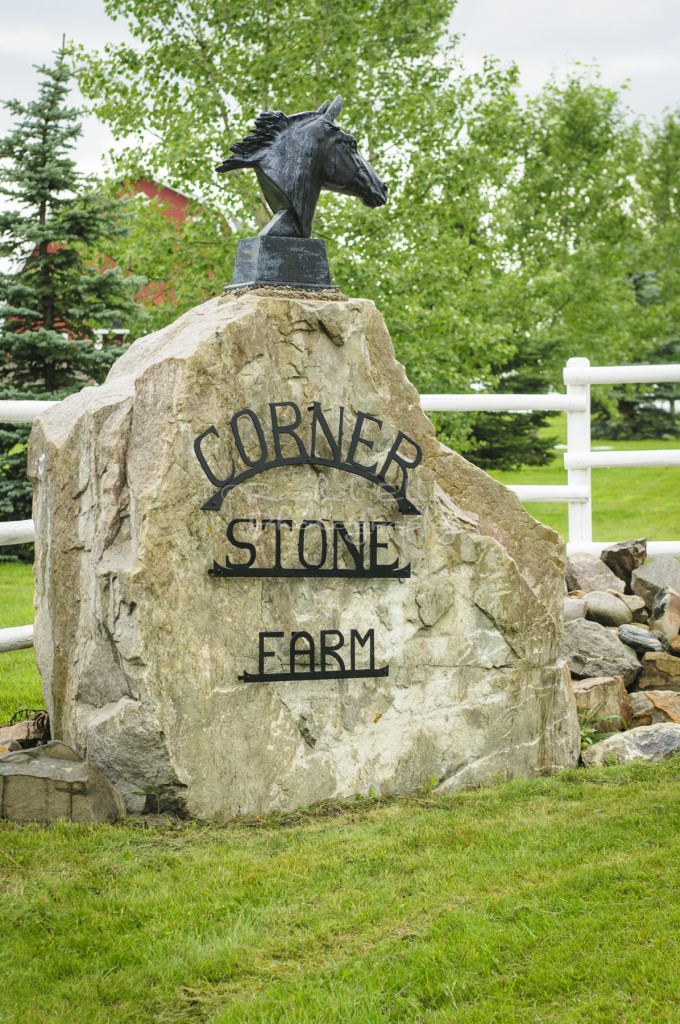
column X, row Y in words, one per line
column 52, row 299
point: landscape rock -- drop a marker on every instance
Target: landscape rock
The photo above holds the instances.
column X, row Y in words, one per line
column 592, row 650
column 660, row 671
column 675, row 646
column 655, row 743
column 666, row 705
column 624, row 557
column 635, row 604
column 28, row 732
column 605, row 701
column 20, row 732
column 50, row 782
column 588, row 572
column 574, row 608
column 607, row 609
column 666, row 613
column 643, row 710
column 660, row 573
column 641, row 640
column 177, row 683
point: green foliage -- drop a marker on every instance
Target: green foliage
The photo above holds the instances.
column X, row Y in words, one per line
column 514, row 232
column 472, row 908
column 52, row 300
column 633, row 412
column 182, row 262
column 589, row 722
column 641, row 411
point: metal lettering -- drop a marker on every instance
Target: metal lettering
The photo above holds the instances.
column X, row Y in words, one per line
column 262, row 654
column 357, row 439
column 331, row 664
column 301, row 544
column 244, row 545
column 254, row 419
column 288, row 429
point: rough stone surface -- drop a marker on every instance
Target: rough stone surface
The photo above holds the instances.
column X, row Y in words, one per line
column 655, row 743
column 574, row 608
column 605, row 608
column 666, row 613
column 19, row 732
column 605, row 700
column 588, row 572
column 641, row 640
column 592, row 650
column 634, row 603
column 665, row 704
column 624, row 557
column 675, row 646
column 643, row 710
column 141, row 671
column 661, row 572
column 660, row 671
column 50, row 782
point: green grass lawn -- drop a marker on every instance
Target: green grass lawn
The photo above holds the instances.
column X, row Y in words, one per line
column 549, row 901
column 19, row 679
column 627, row 503
column 544, row 901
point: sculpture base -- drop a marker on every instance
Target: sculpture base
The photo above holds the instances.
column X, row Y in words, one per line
column 286, row 262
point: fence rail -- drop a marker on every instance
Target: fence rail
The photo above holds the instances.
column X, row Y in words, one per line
column 579, row 376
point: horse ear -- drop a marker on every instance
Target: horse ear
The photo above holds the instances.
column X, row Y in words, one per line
column 334, row 109
column 323, row 108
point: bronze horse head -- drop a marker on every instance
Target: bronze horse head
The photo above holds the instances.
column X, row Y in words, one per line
column 296, row 157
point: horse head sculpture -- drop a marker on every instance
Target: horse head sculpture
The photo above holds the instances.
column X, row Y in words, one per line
column 295, row 158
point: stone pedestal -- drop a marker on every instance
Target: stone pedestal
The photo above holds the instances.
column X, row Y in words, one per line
column 291, row 262
column 262, row 582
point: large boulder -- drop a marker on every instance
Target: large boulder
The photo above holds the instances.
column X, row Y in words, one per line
column 590, row 650
column 261, row 580
column 50, row 782
column 653, row 743
column 658, row 574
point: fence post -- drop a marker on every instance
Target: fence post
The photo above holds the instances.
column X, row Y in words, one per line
column 578, row 442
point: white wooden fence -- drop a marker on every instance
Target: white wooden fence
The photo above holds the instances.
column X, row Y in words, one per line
column 579, row 459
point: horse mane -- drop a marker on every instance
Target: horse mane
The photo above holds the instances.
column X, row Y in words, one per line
column 268, row 126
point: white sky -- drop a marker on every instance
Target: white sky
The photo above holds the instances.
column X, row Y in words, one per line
column 629, row 39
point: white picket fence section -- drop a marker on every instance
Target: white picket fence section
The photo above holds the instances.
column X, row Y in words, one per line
column 579, row 459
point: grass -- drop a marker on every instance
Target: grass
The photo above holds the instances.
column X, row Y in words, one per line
column 548, row 901
column 19, row 679
column 537, row 902
column 627, row 503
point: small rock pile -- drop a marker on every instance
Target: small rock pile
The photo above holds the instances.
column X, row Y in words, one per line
column 622, row 645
